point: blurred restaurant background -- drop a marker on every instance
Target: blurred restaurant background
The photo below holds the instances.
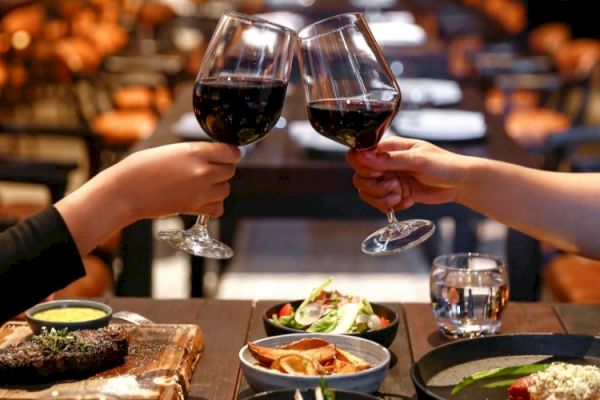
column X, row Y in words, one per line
column 84, row 83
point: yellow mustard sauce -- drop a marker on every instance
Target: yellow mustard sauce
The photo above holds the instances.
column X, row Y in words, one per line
column 69, row 314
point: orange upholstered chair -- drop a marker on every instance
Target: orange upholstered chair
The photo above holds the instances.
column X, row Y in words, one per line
column 575, row 62
column 573, row 279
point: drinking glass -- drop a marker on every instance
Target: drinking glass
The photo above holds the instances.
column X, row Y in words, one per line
column 352, row 97
column 237, row 99
column 469, row 291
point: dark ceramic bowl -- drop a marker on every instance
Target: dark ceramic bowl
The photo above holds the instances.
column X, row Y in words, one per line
column 36, row 324
column 384, row 336
column 309, row 394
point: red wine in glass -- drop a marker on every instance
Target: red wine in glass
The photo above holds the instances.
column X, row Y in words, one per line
column 358, row 124
column 351, row 97
column 237, row 99
column 238, row 110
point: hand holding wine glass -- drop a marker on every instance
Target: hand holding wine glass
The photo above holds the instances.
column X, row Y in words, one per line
column 352, row 97
column 238, row 97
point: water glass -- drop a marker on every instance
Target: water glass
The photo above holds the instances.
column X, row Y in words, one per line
column 469, row 291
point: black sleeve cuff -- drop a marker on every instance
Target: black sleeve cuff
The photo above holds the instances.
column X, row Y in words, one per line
column 38, row 257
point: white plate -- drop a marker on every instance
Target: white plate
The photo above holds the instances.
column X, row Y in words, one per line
column 438, row 92
column 434, row 124
column 373, row 3
column 391, row 33
column 390, row 16
column 188, row 127
column 303, row 134
column 289, row 20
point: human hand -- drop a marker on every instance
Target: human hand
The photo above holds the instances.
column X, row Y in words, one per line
column 400, row 172
column 182, row 178
column 187, row 178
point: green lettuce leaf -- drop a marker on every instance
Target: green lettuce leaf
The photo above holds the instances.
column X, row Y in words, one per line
column 315, row 292
column 328, row 394
column 365, row 306
column 326, row 323
column 497, row 373
column 287, row 320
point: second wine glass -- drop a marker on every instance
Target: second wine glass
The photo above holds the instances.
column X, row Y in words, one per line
column 237, row 99
column 352, row 97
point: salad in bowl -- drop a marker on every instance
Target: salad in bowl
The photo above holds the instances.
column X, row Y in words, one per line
column 329, row 311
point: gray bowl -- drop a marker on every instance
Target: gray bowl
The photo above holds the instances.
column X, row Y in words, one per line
column 36, row 324
column 262, row 379
column 309, row 394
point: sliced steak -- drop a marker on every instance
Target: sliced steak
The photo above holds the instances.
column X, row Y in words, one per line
column 45, row 358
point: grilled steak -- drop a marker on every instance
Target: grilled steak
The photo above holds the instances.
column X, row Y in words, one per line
column 62, row 355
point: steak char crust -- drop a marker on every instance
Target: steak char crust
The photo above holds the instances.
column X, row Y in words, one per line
column 31, row 362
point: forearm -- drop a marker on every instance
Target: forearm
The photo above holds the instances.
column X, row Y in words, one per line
column 560, row 208
column 94, row 211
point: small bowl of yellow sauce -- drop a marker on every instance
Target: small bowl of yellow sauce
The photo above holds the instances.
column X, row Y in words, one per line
column 70, row 314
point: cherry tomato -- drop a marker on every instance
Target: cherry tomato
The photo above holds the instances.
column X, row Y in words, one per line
column 384, row 322
column 285, row 310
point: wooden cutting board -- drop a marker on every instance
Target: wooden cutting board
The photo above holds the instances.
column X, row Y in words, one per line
column 159, row 364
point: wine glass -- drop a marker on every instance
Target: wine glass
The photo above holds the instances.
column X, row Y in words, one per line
column 237, row 99
column 352, row 96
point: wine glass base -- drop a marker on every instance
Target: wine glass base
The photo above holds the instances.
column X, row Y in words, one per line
column 196, row 244
column 396, row 238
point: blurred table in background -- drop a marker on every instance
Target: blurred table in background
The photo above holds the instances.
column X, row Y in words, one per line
column 280, row 178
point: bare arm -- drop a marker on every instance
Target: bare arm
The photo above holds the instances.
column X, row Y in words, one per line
column 560, row 208
column 181, row 178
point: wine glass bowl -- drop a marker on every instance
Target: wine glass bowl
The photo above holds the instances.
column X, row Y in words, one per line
column 351, row 97
column 237, row 99
column 219, row 103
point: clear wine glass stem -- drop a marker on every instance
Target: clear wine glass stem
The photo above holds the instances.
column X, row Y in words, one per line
column 201, row 226
column 197, row 241
column 394, row 227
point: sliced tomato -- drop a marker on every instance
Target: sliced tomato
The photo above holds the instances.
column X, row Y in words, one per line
column 384, row 322
column 286, row 310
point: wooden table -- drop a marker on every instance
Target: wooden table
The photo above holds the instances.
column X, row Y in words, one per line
column 227, row 326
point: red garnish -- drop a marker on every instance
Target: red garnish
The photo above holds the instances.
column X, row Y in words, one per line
column 519, row 389
column 384, row 321
column 285, row 310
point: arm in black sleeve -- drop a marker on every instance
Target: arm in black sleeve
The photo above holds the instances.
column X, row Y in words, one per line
column 37, row 257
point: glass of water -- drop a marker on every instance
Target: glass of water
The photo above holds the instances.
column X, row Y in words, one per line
column 469, row 291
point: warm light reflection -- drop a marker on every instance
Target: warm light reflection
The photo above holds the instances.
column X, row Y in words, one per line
column 20, row 40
